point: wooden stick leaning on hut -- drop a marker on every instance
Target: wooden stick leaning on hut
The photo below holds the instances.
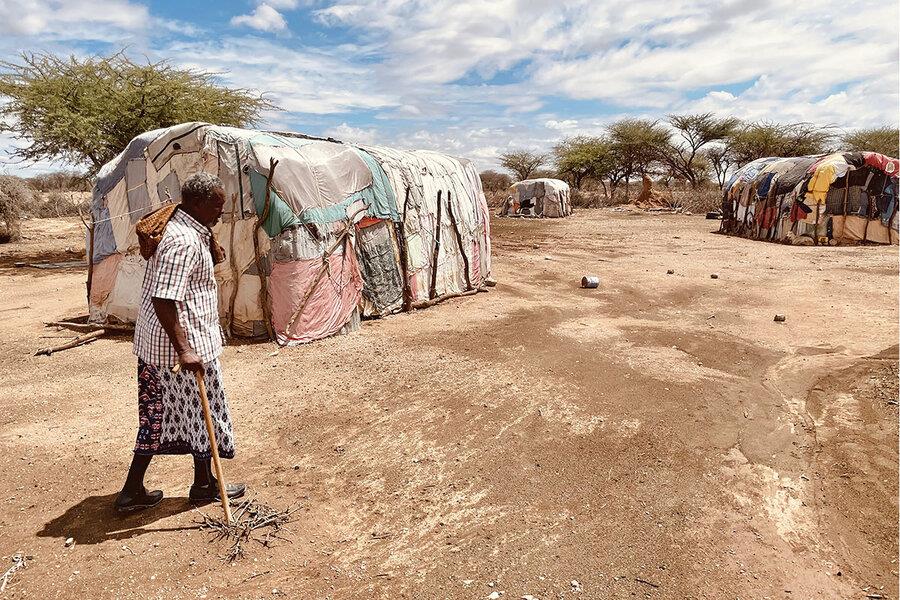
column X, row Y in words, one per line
column 400, row 231
column 263, row 289
column 309, row 292
column 90, row 252
column 846, row 193
column 459, row 242
column 235, row 270
column 432, row 288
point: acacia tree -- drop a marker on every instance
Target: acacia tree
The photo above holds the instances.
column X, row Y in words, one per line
column 766, row 138
column 522, row 162
column 718, row 159
column 580, row 157
column 86, row 110
column 884, row 140
column 637, row 145
column 684, row 158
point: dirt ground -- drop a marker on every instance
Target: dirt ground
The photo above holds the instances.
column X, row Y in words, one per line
column 658, row 437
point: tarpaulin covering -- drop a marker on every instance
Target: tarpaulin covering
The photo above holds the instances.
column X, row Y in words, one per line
column 280, row 215
column 330, row 305
column 320, row 189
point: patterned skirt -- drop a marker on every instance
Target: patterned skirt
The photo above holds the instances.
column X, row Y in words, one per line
column 170, row 417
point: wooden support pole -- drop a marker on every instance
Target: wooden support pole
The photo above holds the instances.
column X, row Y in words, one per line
column 459, row 241
column 235, row 271
column 400, row 231
column 432, row 290
column 263, row 286
column 868, row 218
column 846, row 193
column 90, row 253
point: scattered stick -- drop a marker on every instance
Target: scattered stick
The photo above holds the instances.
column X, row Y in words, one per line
column 19, row 562
column 247, row 524
column 254, row 576
column 79, row 341
column 87, row 327
column 644, row 581
column 439, row 299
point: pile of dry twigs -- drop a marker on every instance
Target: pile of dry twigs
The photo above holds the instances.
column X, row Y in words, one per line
column 251, row 521
column 19, row 562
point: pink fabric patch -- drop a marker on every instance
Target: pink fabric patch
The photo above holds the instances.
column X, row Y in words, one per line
column 103, row 279
column 334, row 299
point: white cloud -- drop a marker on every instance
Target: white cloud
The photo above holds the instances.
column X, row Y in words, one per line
column 264, row 18
column 355, row 135
column 281, row 4
column 298, row 80
column 73, row 20
column 475, row 79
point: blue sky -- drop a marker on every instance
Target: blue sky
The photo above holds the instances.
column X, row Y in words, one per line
column 477, row 78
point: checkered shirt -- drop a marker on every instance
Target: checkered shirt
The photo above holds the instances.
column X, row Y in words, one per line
column 181, row 269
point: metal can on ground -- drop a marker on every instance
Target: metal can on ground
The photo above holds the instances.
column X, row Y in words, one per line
column 590, row 281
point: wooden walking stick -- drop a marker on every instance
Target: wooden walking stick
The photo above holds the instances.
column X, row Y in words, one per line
column 213, row 445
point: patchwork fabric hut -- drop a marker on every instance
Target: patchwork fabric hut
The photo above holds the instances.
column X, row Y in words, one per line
column 317, row 233
column 537, row 198
column 840, row 198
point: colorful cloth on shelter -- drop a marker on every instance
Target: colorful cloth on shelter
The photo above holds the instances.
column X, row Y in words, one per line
column 884, row 163
column 170, row 416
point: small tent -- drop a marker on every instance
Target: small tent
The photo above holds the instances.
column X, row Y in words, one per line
column 317, row 233
column 839, row 198
column 537, row 198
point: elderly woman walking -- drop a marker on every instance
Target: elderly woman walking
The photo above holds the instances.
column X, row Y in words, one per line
column 178, row 323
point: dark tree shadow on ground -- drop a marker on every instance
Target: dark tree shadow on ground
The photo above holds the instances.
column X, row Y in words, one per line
column 94, row 520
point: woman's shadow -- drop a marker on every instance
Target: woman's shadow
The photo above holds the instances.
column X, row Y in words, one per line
column 94, row 520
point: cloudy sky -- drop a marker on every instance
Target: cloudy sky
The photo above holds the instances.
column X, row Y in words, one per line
column 477, row 78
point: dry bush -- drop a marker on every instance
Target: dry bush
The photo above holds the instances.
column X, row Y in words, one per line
column 701, row 200
column 494, row 182
column 587, row 198
column 495, row 198
column 15, row 196
column 59, row 204
column 70, row 181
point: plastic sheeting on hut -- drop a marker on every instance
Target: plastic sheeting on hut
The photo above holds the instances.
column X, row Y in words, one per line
column 840, row 198
column 537, row 198
column 348, row 231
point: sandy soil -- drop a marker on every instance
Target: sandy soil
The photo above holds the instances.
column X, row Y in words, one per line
column 658, row 437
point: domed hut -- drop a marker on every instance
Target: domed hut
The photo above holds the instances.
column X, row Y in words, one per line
column 537, row 198
column 317, row 233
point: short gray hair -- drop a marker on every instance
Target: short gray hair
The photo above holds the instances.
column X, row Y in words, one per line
column 199, row 187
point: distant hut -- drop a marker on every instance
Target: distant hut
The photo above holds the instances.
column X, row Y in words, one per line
column 537, row 198
column 839, row 198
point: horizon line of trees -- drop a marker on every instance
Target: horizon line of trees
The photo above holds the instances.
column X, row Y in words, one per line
column 694, row 149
